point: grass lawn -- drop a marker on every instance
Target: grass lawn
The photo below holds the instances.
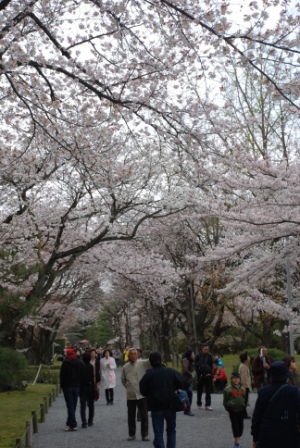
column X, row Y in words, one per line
column 16, row 408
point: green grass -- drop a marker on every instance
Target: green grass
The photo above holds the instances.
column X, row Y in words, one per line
column 15, row 410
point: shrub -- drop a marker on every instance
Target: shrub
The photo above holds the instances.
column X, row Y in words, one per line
column 11, row 364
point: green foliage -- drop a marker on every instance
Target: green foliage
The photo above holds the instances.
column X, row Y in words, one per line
column 47, row 374
column 11, row 364
column 16, row 407
column 60, row 345
column 100, row 332
column 12, row 306
column 274, row 353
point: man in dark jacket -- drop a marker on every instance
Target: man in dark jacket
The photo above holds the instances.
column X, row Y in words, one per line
column 87, row 391
column 159, row 385
column 275, row 421
column 204, row 369
column 71, row 373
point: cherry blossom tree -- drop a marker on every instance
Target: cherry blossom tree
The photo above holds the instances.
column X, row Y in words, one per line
column 108, row 121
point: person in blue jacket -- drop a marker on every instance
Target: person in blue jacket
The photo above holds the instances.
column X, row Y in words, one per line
column 158, row 385
column 275, row 421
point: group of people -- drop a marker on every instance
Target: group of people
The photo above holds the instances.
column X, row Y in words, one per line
column 81, row 375
column 276, row 416
column 150, row 386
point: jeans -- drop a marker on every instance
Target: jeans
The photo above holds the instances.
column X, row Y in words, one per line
column 158, row 418
column 189, row 392
column 71, row 395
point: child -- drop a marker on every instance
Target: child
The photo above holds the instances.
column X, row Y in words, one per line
column 234, row 402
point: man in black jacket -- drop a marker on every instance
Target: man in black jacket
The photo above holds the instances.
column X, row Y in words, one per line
column 71, row 374
column 159, row 385
column 204, row 369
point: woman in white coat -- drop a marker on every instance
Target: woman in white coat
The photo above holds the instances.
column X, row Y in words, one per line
column 108, row 376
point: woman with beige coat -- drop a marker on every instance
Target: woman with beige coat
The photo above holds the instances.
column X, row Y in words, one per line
column 244, row 371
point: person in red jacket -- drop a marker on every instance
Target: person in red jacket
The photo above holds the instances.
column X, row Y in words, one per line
column 219, row 377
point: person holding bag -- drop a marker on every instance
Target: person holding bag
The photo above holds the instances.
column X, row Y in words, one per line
column 275, row 421
column 159, row 385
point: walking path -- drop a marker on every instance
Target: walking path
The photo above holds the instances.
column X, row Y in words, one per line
column 204, row 430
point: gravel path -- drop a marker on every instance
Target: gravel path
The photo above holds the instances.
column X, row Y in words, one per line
column 204, row 430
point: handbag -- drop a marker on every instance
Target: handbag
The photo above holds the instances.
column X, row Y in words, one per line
column 180, row 400
column 96, row 394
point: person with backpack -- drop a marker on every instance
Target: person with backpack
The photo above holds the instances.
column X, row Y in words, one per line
column 275, row 420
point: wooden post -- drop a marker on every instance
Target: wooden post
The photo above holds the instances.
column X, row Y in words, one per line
column 53, row 395
column 34, row 422
column 28, row 433
column 50, row 400
column 18, row 443
column 46, row 404
column 42, row 413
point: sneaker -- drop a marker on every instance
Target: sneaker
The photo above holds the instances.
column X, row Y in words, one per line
column 189, row 413
column 200, row 407
column 90, row 424
column 146, row 439
column 131, row 438
column 84, row 425
column 208, row 408
column 68, row 429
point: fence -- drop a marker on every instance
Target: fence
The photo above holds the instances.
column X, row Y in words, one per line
column 31, row 426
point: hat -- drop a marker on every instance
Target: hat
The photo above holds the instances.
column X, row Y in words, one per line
column 70, row 353
column 235, row 375
column 279, row 372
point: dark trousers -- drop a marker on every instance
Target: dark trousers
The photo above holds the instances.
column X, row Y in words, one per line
column 131, row 407
column 71, row 397
column 87, row 398
column 204, row 381
column 237, row 423
column 109, row 395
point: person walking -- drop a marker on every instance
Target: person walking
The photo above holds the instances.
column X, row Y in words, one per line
column 159, row 385
column 275, row 421
column 234, row 401
column 87, row 391
column 71, row 374
column 187, row 368
column 244, row 371
column 204, row 369
column 108, row 376
column 132, row 373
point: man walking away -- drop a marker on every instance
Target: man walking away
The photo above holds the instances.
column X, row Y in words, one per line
column 71, row 374
column 159, row 385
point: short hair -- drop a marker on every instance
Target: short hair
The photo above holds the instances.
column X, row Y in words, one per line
column 244, row 356
column 86, row 357
column 107, row 350
column 155, row 359
column 132, row 349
